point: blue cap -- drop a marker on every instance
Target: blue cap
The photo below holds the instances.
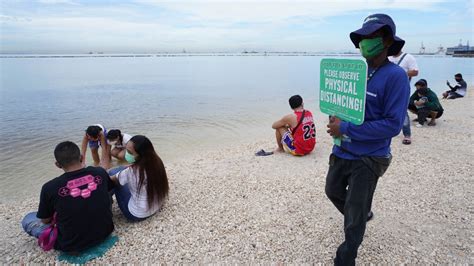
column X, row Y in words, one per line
column 373, row 23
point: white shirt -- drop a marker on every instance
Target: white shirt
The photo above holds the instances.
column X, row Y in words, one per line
column 408, row 62
column 125, row 138
column 138, row 204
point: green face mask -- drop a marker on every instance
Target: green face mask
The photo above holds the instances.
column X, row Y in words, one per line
column 371, row 47
column 129, row 158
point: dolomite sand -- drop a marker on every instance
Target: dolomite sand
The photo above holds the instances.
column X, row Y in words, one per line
column 228, row 206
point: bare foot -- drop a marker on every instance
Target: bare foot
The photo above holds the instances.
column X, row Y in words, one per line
column 278, row 150
column 432, row 123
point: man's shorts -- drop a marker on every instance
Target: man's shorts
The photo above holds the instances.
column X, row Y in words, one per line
column 95, row 144
column 288, row 143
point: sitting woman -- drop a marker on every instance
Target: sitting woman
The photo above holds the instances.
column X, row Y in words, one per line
column 118, row 140
column 144, row 184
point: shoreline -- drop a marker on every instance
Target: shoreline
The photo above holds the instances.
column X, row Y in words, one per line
column 228, row 206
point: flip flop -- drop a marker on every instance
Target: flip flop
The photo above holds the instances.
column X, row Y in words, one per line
column 263, row 153
column 406, row 141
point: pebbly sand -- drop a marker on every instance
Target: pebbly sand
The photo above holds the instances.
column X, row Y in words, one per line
column 228, row 206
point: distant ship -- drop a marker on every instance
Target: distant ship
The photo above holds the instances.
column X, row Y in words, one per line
column 461, row 50
column 422, row 51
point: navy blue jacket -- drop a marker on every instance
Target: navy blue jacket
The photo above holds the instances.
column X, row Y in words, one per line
column 386, row 105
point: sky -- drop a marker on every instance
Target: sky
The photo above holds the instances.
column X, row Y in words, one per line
column 145, row 26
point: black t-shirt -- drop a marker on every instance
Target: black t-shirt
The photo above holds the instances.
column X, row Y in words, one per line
column 82, row 203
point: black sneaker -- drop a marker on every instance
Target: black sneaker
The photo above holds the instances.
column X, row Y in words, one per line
column 370, row 216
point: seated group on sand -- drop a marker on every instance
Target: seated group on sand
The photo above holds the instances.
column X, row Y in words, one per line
column 75, row 212
column 79, row 201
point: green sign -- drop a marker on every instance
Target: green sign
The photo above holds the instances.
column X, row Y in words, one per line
column 342, row 87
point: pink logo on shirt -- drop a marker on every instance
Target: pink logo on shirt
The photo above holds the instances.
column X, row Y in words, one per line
column 73, row 189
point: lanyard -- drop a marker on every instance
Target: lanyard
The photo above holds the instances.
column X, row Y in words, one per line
column 369, row 77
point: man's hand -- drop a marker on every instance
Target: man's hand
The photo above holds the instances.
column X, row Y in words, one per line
column 447, row 83
column 419, row 103
column 334, row 127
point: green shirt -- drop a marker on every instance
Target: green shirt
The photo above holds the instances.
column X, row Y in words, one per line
column 432, row 103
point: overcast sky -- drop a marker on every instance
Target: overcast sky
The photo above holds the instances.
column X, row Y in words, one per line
column 74, row 26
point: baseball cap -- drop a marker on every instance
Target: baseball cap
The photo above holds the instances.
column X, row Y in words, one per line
column 422, row 82
column 373, row 23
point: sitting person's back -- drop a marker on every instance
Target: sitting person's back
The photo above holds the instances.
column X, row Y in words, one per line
column 296, row 132
column 80, row 200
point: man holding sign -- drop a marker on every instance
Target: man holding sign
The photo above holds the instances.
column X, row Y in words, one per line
column 364, row 151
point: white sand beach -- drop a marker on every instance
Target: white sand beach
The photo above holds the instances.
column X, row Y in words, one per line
column 229, row 206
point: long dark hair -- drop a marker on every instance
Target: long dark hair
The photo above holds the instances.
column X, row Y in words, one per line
column 149, row 163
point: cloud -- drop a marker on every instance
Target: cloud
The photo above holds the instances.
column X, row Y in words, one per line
column 272, row 11
column 55, row 2
column 7, row 19
column 200, row 25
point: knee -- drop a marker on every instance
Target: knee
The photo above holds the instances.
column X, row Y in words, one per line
column 30, row 217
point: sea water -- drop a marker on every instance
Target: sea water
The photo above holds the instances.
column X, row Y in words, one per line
column 184, row 104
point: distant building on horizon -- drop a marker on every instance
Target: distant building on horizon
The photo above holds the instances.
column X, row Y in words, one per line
column 460, row 48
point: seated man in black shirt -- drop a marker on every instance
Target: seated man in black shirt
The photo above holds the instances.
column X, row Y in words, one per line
column 80, row 200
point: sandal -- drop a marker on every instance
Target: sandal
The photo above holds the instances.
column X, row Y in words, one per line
column 263, row 153
column 432, row 123
column 406, row 141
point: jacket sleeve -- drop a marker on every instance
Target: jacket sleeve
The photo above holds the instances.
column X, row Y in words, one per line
column 395, row 105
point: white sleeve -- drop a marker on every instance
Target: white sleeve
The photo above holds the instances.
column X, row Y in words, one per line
column 411, row 62
column 126, row 138
column 123, row 176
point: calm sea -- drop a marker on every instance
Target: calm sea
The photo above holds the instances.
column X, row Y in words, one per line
column 183, row 104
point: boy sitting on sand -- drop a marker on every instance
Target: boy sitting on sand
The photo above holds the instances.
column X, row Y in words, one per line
column 77, row 203
column 295, row 132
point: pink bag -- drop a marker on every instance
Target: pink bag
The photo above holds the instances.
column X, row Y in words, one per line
column 48, row 237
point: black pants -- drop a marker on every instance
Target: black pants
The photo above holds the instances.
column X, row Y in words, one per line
column 423, row 113
column 453, row 95
column 413, row 108
column 350, row 185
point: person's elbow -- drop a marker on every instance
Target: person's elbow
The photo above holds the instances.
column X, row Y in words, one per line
column 395, row 127
column 413, row 73
column 276, row 125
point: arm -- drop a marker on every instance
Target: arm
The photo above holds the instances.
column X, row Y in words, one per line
column 412, row 66
column 283, row 122
column 84, row 148
column 451, row 87
column 394, row 112
column 414, row 97
column 105, row 160
column 45, row 208
column 114, row 179
column 412, row 73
